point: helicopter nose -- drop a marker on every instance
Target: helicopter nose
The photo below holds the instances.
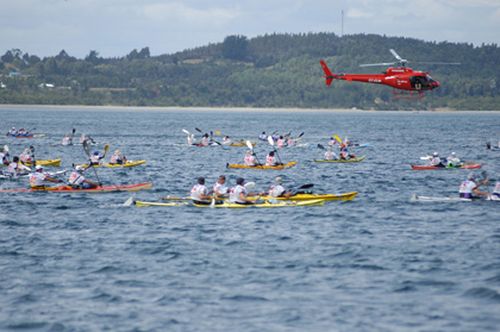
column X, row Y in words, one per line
column 435, row 84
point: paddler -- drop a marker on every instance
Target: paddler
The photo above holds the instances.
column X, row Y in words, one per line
column 330, row 155
column 280, row 143
column 495, row 195
column 239, row 193
column 332, row 141
column 16, row 168
column 205, row 140
column 250, row 159
column 263, row 136
column 453, row 160
column 226, row 140
column 67, row 140
column 25, row 156
column 78, row 181
column 199, row 192
column 13, row 131
column 271, row 159
column 277, row 189
column 95, row 158
column 344, row 151
column 4, row 155
column 220, row 189
column 436, row 161
column 470, row 187
column 118, row 158
column 38, row 178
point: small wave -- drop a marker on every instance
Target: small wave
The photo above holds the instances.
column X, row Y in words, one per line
column 483, row 293
column 28, row 326
column 244, row 298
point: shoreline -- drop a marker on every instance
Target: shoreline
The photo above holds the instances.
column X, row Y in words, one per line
column 113, row 108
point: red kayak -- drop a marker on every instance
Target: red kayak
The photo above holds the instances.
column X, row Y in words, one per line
column 69, row 189
column 429, row 167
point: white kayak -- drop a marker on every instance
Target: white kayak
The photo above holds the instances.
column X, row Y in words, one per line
column 419, row 198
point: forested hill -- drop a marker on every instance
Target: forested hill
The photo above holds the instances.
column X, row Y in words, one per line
column 277, row 70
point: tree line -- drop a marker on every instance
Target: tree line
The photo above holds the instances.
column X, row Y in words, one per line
column 273, row 70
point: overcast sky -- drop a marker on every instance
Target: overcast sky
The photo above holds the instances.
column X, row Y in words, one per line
column 115, row 27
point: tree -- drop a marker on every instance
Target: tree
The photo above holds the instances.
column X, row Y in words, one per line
column 93, row 57
column 144, row 53
column 235, row 47
column 8, row 57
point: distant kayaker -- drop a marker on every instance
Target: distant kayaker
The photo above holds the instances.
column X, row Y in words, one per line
column 263, row 136
column 277, row 189
column 280, row 143
column 95, row 158
column 220, row 189
column 67, row 140
column 38, row 178
column 118, row 158
column 453, row 160
column 13, row 131
column 4, row 156
column 190, row 139
column 199, row 192
column 436, row 160
column 16, row 168
column 344, row 151
column 496, row 192
column 250, row 159
column 226, row 140
column 470, row 187
column 330, row 155
column 239, row 193
column 205, row 140
column 271, row 159
column 332, row 141
column 78, row 181
column 25, row 156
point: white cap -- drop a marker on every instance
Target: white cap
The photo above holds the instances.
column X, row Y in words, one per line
column 78, row 168
column 453, row 153
column 435, row 154
column 278, row 179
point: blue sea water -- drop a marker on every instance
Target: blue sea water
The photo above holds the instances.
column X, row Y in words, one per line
column 82, row 262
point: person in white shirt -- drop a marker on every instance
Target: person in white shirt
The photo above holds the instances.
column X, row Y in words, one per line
column 39, row 177
column 199, row 192
column 277, row 189
column 435, row 160
column 271, row 159
column 77, row 180
column 95, row 158
column 330, row 155
column 239, row 193
column 470, row 187
column 226, row 140
column 25, row 156
column 16, row 168
column 453, row 160
column 118, row 158
column 220, row 189
column 250, row 159
column 496, row 192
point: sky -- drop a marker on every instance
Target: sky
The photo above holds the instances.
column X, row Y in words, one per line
column 113, row 28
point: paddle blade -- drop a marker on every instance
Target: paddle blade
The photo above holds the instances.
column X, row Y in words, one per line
column 306, row 186
column 212, row 203
column 249, row 145
column 198, row 130
column 270, row 140
column 218, row 133
column 186, row 132
column 337, row 138
column 249, row 185
column 426, row 158
column 129, row 201
column 301, row 134
column 320, row 146
column 106, row 148
column 6, row 148
column 73, row 131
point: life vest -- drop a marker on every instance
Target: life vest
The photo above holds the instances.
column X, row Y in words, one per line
column 250, row 160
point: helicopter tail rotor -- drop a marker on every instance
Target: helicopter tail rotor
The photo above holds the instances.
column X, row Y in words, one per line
column 329, row 76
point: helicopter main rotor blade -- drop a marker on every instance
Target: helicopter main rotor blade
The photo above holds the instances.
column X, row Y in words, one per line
column 378, row 64
column 437, row 63
column 396, row 55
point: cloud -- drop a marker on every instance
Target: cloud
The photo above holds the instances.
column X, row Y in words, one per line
column 180, row 12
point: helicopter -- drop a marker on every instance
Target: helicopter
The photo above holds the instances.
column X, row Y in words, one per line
column 400, row 77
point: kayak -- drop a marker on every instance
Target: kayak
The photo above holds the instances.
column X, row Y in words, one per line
column 239, row 144
column 352, row 160
column 145, row 204
column 266, row 204
column 305, row 197
column 129, row 163
column 418, row 198
column 27, row 135
column 48, row 162
column 4, row 176
column 69, row 189
column 277, row 167
column 429, row 167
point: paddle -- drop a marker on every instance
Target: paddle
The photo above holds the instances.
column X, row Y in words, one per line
column 302, row 187
column 250, row 146
column 337, row 138
column 86, row 149
column 271, row 141
column 129, row 201
column 33, row 160
column 320, row 146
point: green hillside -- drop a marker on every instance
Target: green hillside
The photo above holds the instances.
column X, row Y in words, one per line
column 277, row 70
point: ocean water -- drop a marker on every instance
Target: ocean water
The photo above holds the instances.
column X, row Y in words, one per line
column 82, row 262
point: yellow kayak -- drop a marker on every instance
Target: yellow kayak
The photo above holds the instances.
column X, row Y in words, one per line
column 129, row 163
column 241, row 144
column 277, row 167
column 306, row 197
column 266, row 204
column 48, row 162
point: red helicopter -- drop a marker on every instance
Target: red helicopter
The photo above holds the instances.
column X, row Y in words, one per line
column 400, row 77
